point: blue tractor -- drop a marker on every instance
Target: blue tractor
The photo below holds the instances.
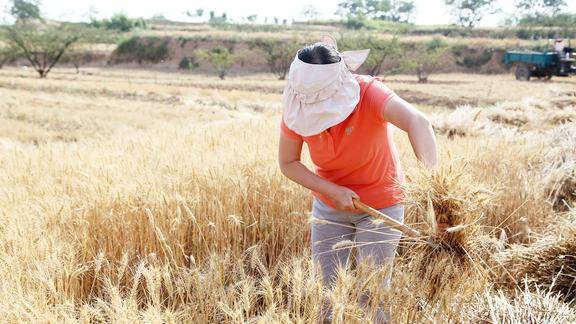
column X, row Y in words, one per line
column 541, row 64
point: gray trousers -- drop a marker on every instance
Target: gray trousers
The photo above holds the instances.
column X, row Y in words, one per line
column 377, row 241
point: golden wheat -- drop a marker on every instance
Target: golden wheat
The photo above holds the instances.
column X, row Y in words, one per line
column 131, row 196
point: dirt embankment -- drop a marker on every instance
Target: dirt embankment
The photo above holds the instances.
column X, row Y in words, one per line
column 172, row 51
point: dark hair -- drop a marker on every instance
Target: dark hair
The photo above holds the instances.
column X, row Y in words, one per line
column 319, row 54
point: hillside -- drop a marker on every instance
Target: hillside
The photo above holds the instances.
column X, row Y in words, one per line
column 476, row 50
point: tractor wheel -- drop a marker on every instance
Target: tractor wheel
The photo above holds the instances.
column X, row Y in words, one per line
column 522, row 72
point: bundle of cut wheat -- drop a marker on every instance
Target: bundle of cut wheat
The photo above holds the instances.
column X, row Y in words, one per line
column 549, row 263
column 526, row 305
column 559, row 169
column 448, row 198
column 561, row 186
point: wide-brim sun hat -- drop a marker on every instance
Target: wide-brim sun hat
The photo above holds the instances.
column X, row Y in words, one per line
column 319, row 96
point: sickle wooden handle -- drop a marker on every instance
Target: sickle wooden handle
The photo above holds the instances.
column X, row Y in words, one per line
column 386, row 219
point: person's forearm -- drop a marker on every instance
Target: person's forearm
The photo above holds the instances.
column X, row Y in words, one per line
column 299, row 173
column 423, row 142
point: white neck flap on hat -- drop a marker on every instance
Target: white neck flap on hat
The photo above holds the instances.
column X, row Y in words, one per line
column 319, row 96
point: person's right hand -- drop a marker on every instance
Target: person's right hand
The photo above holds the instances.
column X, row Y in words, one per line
column 342, row 198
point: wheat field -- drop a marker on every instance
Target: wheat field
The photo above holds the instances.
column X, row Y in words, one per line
column 143, row 196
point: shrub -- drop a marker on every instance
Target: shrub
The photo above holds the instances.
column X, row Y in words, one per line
column 559, row 20
column 529, row 32
column 188, row 63
column 119, row 22
column 355, row 23
column 221, row 58
column 471, row 57
column 427, row 59
column 279, row 55
column 144, row 49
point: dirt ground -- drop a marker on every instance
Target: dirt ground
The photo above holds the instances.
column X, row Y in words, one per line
column 69, row 106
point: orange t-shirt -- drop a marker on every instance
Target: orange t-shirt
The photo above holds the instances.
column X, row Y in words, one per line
column 359, row 153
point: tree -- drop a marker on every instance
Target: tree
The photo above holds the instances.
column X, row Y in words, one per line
column 377, row 9
column 42, row 45
column 120, row 22
column 198, row 13
column 25, row 9
column 554, row 6
column 381, row 50
column 252, row 18
column 401, row 11
column 560, row 20
column 158, row 17
column 426, row 60
column 538, row 7
column 279, row 55
column 221, row 59
column 393, row 10
column 7, row 53
column 218, row 20
column 3, row 56
column 351, row 8
column 526, row 6
column 310, row 12
column 76, row 57
column 469, row 12
column 354, row 11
